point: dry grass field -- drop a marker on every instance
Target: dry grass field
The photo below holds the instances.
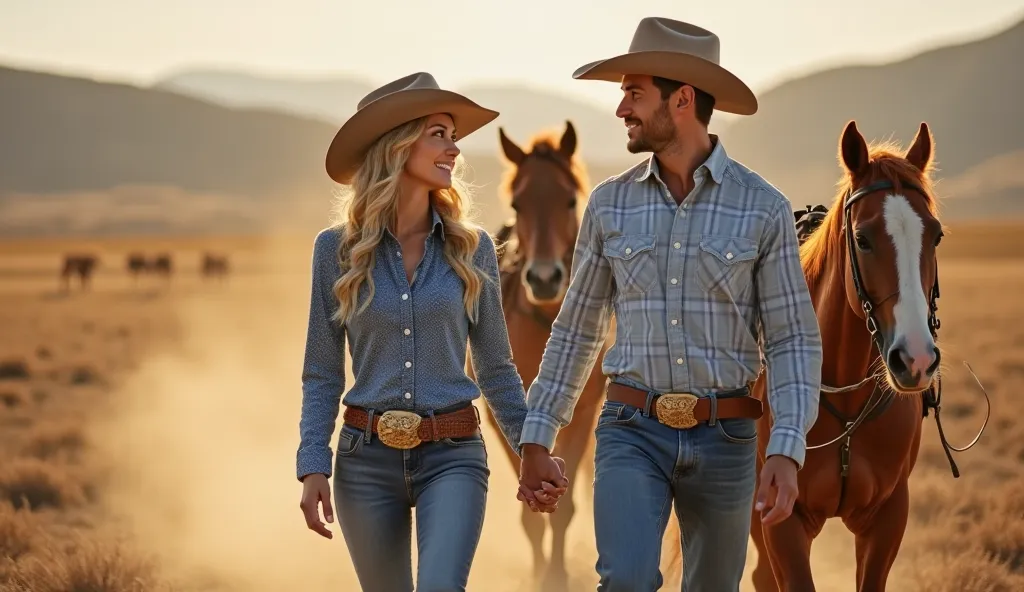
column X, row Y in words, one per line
column 148, row 432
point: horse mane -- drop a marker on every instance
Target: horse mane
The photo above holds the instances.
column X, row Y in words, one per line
column 885, row 161
column 544, row 144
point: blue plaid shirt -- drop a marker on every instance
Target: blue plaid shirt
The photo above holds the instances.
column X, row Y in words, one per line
column 408, row 347
column 702, row 292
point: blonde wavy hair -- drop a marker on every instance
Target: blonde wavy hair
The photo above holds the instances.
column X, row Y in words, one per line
column 368, row 206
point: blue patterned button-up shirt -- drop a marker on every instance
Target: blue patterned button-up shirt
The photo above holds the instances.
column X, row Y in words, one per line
column 408, row 347
column 702, row 291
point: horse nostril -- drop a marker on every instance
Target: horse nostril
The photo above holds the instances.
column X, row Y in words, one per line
column 935, row 364
column 898, row 361
column 556, row 276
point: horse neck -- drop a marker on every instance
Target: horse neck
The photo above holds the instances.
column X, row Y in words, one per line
column 847, row 347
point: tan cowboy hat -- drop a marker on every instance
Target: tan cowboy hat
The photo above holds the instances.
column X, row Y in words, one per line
column 677, row 51
column 403, row 100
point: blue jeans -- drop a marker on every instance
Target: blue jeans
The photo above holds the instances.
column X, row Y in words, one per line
column 641, row 468
column 375, row 490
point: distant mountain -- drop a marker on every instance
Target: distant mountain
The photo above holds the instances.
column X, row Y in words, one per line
column 524, row 111
column 969, row 93
column 80, row 156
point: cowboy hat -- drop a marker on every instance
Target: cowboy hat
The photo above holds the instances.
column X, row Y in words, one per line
column 397, row 102
column 677, row 51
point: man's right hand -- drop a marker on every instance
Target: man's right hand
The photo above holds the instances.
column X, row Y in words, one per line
column 316, row 490
column 542, row 478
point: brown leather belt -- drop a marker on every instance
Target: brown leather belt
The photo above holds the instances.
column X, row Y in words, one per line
column 405, row 429
column 683, row 410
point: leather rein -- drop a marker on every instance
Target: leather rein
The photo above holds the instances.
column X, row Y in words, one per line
column 807, row 221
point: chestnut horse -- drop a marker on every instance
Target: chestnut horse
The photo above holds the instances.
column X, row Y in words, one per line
column 546, row 188
column 870, row 264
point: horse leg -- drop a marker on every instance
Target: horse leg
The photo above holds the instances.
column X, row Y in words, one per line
column 878, row 538
column 789, row 548
column 762, row 576
column 572, row 442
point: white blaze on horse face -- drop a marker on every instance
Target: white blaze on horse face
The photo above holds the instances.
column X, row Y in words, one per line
column 911, row 310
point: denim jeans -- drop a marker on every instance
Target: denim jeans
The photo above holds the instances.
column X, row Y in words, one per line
column 641, row 468
column 375, row 490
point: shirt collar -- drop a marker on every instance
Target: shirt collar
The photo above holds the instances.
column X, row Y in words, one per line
column 438, row 223
column 715, row 163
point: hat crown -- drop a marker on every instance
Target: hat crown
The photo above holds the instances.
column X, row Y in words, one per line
column 418, row 80
column 661, row 34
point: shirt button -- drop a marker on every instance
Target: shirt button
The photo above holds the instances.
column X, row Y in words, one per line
column 674, row 281
column 628, row 250
column 728, row 255
column 408, row 364
column 405, row 296
column 408, row 395
column 679, row 361
column 399, row 253
column 676, row 244
column 407, row 331
column 675, row 321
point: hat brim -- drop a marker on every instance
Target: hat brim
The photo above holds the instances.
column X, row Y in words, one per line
column 354, row 138
column 731, row 94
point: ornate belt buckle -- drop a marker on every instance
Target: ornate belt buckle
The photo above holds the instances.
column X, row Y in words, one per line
column 399, row 429
column 676, row 410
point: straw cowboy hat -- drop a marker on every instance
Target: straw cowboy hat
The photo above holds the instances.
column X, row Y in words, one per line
column 677, row 51
column 397, row 102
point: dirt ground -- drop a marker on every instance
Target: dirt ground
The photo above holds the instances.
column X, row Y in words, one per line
column 148, row 432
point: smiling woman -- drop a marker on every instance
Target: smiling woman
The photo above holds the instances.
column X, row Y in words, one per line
column 408, row 280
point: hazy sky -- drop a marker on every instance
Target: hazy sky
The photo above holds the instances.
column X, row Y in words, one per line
column 463, row 41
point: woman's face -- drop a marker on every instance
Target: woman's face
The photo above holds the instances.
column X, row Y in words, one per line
column 433, row 155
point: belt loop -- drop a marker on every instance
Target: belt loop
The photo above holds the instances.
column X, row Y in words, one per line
column 713, row 413
column 368, row 432
column 433, row 426
column 647, row 403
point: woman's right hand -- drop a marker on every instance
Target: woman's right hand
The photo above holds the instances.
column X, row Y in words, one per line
column 316, row 490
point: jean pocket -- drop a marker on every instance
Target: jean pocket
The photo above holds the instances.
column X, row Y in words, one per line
column 462, row 441
column 738, row 430
column 614, row 413
column 349, row 441
column 633, row 263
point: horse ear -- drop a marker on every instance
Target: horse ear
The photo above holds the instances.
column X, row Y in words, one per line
column 567, row 145
column 512, row 152
column 920, row 152
column 853, row 150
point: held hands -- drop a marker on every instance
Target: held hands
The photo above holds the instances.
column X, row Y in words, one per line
column 316, row 490
column 778, row 490
column 542, row 479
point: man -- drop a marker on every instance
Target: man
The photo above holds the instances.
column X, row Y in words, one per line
column 697, row 256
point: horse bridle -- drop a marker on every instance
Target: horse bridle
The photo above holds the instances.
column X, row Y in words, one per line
column 858, row 283
column 514, row 268
column 932, row 396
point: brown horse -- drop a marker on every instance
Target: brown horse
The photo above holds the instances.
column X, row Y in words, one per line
column 546, row 188
column 870, row 264
column 82, row 265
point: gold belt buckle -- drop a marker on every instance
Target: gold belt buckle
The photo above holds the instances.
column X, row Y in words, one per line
column 676, row 410
column 399, row 429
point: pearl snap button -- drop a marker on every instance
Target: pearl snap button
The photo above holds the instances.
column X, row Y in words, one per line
column 728, row 255
column 628, row 250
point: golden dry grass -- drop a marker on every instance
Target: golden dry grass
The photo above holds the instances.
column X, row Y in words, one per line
column 151, row 430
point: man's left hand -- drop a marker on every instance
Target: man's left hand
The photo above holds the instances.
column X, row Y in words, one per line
column 778, row 490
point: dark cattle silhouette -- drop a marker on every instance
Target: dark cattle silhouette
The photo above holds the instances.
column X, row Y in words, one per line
column 82, row 265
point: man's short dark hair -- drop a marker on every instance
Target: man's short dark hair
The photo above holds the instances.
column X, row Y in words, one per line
column 705, row 103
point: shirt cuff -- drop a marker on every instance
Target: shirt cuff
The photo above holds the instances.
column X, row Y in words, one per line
column 787, row 442
column 539, row 429
column 313, row 460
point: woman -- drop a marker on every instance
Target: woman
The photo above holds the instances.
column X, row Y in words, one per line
column 407, row 280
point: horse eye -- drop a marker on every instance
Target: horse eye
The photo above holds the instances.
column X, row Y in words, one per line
column 515, row 206
column 862, row 243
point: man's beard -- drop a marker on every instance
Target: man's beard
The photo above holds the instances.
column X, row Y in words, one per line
column 654, row 134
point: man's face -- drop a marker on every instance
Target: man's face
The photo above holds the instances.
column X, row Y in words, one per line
column 649, row 125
